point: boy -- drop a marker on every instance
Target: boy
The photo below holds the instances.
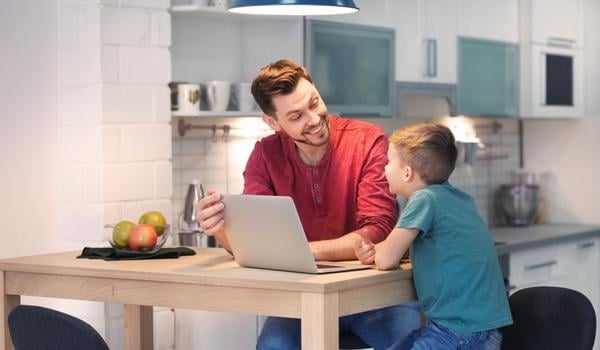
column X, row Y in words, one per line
column 455, row 267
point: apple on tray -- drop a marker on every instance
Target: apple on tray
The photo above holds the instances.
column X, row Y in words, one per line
column 142, row 237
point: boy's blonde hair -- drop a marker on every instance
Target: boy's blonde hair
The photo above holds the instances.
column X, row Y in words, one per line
column 428, row 148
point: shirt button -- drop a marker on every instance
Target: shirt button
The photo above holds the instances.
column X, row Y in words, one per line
column 318, row 199
column 316, row 185
column 315, row 172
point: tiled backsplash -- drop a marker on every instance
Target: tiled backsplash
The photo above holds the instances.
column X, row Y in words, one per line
column 219, row 165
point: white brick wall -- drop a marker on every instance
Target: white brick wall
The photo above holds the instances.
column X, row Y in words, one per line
column 114, row 127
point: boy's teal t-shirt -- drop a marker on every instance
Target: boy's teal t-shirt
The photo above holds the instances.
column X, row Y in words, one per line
column 455, row 267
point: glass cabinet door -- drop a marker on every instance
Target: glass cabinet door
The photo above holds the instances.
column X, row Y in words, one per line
column 487, row 78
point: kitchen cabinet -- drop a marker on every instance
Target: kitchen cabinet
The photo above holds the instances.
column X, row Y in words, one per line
column 426, row 41
column 573, row 264
column 552, row 58
column 488, row 19
column 487, row 78
column 557, row 21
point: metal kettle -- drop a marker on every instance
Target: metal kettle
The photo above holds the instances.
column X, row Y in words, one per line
column 194, row 193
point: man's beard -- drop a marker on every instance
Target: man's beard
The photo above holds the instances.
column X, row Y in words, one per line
column 323, row 123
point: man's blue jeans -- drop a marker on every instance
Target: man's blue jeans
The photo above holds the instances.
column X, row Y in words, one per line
column 379, row 328
column 437, row 337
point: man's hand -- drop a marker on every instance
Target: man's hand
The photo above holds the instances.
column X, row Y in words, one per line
column 210, row 213
column 364, row 250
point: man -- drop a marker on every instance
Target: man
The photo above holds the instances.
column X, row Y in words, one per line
column 333, row 169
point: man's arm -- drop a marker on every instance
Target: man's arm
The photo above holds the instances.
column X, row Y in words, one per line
column 341, row 248
column 377, row 209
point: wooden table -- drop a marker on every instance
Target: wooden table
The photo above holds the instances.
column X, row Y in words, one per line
column 210, row 280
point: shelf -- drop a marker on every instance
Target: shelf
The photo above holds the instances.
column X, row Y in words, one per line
column 207, row 12
column 212, row 114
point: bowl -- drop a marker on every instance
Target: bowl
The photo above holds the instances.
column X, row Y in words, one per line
column 519, row 203
column 160, row 242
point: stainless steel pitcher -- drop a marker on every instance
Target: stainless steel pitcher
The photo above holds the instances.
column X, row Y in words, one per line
column 194, row 193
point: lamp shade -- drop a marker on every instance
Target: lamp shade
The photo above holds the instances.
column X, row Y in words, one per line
column 293, row 7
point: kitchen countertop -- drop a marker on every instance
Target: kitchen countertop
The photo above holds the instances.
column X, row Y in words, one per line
column 510, row 238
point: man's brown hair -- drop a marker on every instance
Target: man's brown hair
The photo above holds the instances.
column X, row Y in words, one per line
column 277, row 78
column 428, row 148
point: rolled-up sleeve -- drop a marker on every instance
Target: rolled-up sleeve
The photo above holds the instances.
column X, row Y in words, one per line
column 377, row 209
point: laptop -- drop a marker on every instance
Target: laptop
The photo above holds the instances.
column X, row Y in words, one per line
column 265, row 232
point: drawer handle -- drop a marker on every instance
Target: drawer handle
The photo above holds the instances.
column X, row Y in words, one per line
column 540, row 265
column 586, row 245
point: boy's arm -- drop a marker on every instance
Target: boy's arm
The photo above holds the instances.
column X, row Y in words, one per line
column 389, row 252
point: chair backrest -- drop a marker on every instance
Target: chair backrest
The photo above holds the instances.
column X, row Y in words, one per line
column 550, row 318
column 39, row 328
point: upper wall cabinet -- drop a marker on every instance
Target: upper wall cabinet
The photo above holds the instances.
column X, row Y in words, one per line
column 487, row 78
column 426, row 40
column 558, row 22
column 496, row 20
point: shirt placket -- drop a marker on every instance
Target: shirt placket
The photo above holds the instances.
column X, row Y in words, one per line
column 317, row 190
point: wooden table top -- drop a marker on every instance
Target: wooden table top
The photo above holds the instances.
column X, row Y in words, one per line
column 210, row 266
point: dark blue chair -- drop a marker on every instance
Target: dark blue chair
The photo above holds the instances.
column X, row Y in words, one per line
column 550, row 318
column 350, row 341
column 39, row 328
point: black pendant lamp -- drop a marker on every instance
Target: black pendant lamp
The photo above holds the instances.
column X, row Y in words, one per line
column 293, row 7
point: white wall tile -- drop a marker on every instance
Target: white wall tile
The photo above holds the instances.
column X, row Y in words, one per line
column 79, row 105
column 90, row 26
column 163, row 179
column 113, row 213
column 146, row 142
column 133, row 210
column 80, row 144
column 161, row 28
column 70, row 183
column 161, row 103
column 126, row 26
column 126, row 104
column 93, row 185
column 80, row 66
column 80, row 222
column 126, row 182
column 70, row 28
column 111, row 144
column 143, row 65
column 66, row 3
column 110, row 64
column 144, row 3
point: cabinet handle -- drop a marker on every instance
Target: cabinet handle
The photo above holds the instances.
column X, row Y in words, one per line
column 586, row 245
column 540, row 265
column 561, row 42
column 431, row 69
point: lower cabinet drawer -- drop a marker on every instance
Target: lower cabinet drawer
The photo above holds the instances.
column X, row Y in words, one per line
column 533, row 266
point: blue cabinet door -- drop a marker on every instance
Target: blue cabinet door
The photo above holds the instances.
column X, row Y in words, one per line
column 487, row 78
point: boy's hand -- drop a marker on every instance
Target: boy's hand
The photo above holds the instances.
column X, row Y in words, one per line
column 364, row 250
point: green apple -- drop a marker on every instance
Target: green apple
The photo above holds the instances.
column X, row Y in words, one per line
column 121, row 233
column 154, row 219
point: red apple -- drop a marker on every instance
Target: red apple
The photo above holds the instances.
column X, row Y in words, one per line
column 142, row 237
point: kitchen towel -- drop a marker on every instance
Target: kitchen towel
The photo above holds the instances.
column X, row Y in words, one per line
column 120, row 254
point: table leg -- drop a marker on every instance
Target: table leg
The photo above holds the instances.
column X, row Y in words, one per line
column 7, row 303
column 138, row 321
column 320, row 328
